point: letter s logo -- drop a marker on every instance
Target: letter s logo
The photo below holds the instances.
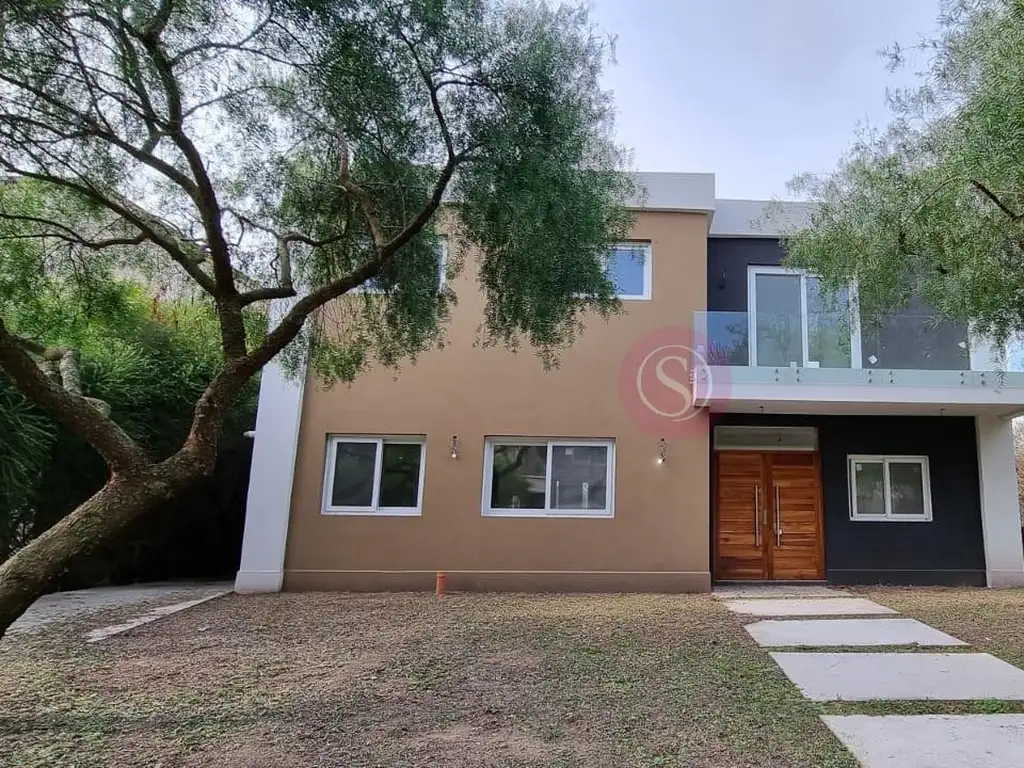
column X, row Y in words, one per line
column 686, row 409
column 665, row 383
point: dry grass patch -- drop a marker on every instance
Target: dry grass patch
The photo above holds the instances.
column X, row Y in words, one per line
column 548, row 681
column 989, row 619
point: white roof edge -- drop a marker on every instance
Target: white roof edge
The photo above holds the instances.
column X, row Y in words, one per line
column 758, row 218
column 695, row 193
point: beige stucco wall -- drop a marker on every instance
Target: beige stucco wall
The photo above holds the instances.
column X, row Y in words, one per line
column 658, row 538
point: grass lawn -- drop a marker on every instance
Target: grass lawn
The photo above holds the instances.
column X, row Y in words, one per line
column 403, row 680
column 991, row 620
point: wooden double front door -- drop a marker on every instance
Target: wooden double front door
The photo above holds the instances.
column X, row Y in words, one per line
column 768, row 514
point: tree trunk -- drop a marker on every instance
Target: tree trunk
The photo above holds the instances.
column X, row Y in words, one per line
column 31, row 570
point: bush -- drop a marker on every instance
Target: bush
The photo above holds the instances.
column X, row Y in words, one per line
column 149, row 360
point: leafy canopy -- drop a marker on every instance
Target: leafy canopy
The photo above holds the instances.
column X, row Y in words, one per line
column 271, row 149
column 932, row 207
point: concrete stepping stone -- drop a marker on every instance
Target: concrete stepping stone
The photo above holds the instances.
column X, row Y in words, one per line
column 932, row 741
column 828, row 632
column 898, row 676
column 740, row 591
column 829, row 606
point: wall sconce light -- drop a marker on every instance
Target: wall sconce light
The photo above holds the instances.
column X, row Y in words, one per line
column 455, row 446
column 662, row 451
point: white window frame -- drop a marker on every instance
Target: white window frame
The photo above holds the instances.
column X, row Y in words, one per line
column 805, row 338
column 442, row 266
column 885, row 461
column 648, row 269
column 374, row 509
column 548, row 511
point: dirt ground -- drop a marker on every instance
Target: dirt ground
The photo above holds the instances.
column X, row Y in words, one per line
column 548, row 681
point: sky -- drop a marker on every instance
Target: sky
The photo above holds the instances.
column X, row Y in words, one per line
column 754, row 91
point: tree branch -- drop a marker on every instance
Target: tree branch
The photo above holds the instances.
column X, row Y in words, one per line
column 227, row 97
column 199, row 187
column 67, row 234
column 414, row 226
column 229, row 308
column 285, row 288
column 217, row 395
column 156, row 231
column 992, row 196
column 264, row 294
column 131, row 69
column 370, row 211
column 91, row 128
column 51, row 354
column 432, row 89
column 238, row 46
column 84, row 420
column 160, row 19
column 292, row 322
column 284, row 259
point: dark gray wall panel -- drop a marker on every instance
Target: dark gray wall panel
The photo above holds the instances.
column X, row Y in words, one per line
column 947, row 550
column 728, row 259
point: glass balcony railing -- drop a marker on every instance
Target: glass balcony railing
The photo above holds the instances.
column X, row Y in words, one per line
column 790, row 340
column 918, row 342
column 726, row 337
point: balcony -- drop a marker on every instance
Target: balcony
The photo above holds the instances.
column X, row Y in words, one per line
column 779, row 358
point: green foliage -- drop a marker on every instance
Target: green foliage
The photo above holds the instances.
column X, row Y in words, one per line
column 149, row 360
column 933, row 206
column 540, row 192
column 494, row 105
column 25, row 439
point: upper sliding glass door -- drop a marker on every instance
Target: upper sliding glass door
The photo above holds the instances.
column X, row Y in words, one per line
column 794, row 323
column 830, row 334
column 778, row 319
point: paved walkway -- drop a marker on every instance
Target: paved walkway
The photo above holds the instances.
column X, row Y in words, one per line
column 819, row 633
column 815, row 606
column 918, row 673
column 65, row 606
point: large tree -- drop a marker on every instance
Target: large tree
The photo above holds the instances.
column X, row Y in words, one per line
column 932, row 206
column 294, row 150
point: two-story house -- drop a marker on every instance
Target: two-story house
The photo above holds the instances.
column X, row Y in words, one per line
column 814, row 447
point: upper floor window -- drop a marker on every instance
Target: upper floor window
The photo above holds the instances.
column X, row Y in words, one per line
column 794, row 323
column 373, row 286
column 629, row 268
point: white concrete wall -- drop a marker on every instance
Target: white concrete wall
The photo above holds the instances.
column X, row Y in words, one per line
column 674, row 192
column 1000, row 512
column 270, row 479
column 759, row 218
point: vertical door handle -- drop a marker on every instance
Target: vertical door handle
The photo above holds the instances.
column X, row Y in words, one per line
column 757, row 515
column 778, row 518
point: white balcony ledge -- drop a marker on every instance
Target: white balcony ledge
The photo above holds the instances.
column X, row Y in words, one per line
column 860, row 390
